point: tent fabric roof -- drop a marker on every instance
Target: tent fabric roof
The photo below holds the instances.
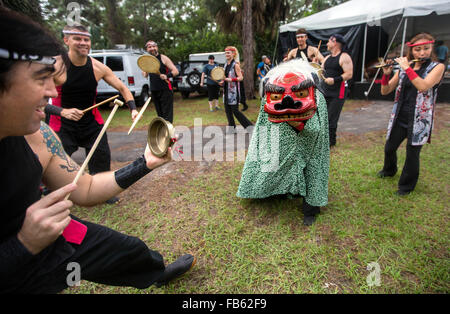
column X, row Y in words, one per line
column 356, row 12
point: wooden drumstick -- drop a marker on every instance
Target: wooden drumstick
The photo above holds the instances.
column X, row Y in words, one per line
column 117, row 104
column 318, row 47
column 100, row 103
column 139, row 115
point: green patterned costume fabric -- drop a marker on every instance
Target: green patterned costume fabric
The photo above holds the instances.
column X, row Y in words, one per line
column 282, row 161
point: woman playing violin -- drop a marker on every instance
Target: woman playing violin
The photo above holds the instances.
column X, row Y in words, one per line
column 415, row 88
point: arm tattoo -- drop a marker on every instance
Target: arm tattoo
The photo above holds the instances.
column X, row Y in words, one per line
column 55, row 147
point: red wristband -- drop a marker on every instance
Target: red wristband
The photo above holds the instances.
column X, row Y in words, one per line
column 411, row 74
column 385, row 80
column 234, row 79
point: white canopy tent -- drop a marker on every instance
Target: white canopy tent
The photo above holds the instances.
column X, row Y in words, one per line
column 362, row 11
column 370, row 13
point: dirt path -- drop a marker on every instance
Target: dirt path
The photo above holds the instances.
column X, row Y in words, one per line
column 356, row 121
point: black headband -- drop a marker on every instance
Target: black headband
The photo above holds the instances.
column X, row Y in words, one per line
column 15, row 56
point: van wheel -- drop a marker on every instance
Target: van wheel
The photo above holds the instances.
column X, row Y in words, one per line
column 185, row 95
column 144, row 96
column 194, row 79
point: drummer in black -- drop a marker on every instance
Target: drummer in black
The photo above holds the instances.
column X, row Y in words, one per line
column 162, row 92
column 338, row 68
column 312, row 53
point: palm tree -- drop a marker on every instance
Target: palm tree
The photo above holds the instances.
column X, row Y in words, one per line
column 263, row 18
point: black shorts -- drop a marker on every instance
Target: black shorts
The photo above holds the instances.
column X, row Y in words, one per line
column 213, row 92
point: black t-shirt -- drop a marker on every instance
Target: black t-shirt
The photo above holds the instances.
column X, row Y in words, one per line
column 156, row 83
column 79, row 91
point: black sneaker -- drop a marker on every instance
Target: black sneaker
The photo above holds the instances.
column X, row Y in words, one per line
column 309, row 220
column 112, row 200
column 384, row 174
column 245, row 107
column 402, row 193
column 176, row 269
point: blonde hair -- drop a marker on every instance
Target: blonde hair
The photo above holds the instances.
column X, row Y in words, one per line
column 235, row 52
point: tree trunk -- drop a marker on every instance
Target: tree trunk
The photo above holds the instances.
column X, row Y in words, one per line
column 247, row 44
column 114, row 24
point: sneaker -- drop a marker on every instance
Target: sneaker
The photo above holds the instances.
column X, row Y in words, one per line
column 218, row 108
column 211, row 110
column 402, row 193
column 231, row 130
column 245, row 107
column 112, row 200
column 176, row 269
column 309, row 220
column 384, row 174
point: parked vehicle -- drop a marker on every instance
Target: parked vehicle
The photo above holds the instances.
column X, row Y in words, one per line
column 191, row 72
column 123, row 62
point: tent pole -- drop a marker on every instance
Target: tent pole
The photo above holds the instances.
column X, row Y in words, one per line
column 275, row 50
column 366, row 93
column 364, row 54
column 404, row 35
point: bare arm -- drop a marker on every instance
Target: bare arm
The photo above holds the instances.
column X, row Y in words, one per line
column 347, row 66
column 104, row 72
column 393, row 82
column 292, row 54
column 423, row 84
column 60, row 169
column 169, row 64
column 202, row 79
column 316, row 55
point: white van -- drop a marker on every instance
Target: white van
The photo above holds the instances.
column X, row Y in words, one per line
column 123, row 62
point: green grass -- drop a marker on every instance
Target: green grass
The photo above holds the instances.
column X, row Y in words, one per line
column 261, row 246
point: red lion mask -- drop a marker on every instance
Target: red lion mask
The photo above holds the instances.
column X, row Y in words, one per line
column 290, row 98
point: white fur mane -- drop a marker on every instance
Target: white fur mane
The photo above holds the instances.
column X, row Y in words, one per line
column 295, row 66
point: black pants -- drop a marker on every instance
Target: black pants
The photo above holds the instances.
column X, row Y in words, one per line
column 231, row 110
column 410, row 172
column 84, row 136
column 334, row 106
column 213, row 92
column 105, row 256
column 163, row 103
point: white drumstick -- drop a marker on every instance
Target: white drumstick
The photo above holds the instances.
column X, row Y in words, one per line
column 139, row 115
column 117, row 104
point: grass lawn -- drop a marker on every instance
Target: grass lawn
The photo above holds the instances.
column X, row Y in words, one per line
column 261, row 246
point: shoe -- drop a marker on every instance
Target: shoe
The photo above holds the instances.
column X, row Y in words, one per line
column 231, row 130
column 245, row 107
column 309, row 220
column 112, row 200
column 402, row 193
column 176, row 269
column 218, row 108
column 211, row 110
column 383, row 174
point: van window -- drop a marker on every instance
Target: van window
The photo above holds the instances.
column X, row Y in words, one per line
column 115, row 63
column 99, row 59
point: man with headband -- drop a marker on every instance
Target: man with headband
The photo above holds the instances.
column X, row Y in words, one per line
column 312, row 53
column 338, row 69
column 162, row 92
column 79, row 92
column 36, row 245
